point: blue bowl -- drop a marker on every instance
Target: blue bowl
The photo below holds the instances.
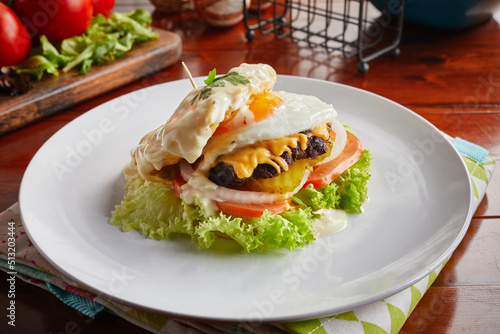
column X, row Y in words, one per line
column 446, row 14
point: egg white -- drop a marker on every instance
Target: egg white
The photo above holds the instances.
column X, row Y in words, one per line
column 296, row 113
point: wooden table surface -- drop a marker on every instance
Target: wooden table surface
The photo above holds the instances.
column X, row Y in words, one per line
column 451, row 79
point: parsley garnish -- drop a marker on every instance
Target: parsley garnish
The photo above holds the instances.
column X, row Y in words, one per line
column 232, row 77
column 211, row 77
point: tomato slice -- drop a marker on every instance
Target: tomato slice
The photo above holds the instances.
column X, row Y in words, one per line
column 326, row 173
column 239, row 209
column 253, row 210
column 178, row 183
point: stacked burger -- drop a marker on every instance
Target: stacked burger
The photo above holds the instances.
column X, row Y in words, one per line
column 267, row 169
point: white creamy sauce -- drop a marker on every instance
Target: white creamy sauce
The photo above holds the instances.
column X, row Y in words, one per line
column 330, row 222
column 188, row 130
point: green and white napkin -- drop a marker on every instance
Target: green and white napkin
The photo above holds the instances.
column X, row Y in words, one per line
column 385, row 316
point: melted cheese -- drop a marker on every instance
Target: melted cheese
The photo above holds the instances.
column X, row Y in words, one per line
column 297, row 113
column 246, row 159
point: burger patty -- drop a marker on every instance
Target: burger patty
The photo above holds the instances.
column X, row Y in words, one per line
column 224, row 175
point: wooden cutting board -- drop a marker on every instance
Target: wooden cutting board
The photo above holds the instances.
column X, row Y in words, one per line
column 53, row 94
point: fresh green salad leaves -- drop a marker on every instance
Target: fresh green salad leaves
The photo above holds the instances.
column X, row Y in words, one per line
column 346, row 192
column 104, row 40
column 157, row 213
column 36, row 66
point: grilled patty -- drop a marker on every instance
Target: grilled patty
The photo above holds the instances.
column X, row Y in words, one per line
column 224, row 175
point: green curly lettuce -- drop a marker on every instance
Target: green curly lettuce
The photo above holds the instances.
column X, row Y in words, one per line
column 154, row 210
column 346, row 192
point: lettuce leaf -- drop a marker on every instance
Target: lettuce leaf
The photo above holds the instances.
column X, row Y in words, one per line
column 353, row 184
column 36, row 66
column 104, row 40
column 346, row 192
column 153, row 210
column 156, row 212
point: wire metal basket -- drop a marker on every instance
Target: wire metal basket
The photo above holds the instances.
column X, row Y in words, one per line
column 366, row 29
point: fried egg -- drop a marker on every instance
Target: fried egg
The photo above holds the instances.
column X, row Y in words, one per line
column 294, row 113
column 215, row 121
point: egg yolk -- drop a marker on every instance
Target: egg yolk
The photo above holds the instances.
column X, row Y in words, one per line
column 261, row 106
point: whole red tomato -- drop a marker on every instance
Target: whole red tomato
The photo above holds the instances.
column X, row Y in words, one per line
column 103, row 7
column 15, row 40
column 56, row 19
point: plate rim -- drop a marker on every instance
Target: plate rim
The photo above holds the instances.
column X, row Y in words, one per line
column 270, row 319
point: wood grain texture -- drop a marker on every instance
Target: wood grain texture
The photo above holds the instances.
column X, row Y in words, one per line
column 53, row 94
column 455, row 310
column 476, row 261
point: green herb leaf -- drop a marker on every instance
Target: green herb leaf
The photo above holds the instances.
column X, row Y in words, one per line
column 211, row 77
column 232, row 77
column 235, row 78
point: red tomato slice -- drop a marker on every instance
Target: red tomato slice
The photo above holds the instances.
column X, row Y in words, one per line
column 253, row 210
column 326, row 173
column 246, row 210
column 178, row 183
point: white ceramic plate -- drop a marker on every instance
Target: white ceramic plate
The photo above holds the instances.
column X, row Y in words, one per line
column 418, row 212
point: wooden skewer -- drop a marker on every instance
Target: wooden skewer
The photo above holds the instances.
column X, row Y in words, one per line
column 189, row 75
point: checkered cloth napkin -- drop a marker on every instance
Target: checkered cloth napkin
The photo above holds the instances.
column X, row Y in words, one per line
column 385, row 316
